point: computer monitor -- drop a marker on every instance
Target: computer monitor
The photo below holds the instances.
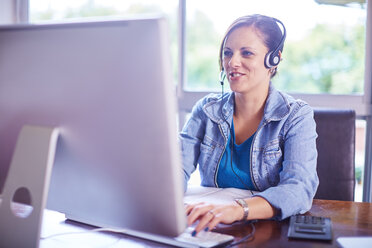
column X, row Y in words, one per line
column 107, row 86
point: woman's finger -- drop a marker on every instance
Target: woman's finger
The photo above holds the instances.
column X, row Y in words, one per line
column 216, row 220
column 198, row 212
column 205, row 221
column 189, row 207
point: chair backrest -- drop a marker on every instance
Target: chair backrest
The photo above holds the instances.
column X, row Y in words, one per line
column 336, row 152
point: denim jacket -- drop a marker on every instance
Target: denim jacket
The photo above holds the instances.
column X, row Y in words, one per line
column 283, row 152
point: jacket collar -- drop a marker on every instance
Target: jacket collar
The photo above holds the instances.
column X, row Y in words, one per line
column 277, row 106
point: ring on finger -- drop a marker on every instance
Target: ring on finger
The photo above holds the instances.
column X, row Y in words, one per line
column 211, row 212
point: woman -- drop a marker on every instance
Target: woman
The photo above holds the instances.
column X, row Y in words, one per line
column 270, row 135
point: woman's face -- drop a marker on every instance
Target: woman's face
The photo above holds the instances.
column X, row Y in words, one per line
column 243, row 60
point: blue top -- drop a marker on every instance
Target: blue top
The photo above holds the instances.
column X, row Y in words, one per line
column 283, row 155
column 236, row 174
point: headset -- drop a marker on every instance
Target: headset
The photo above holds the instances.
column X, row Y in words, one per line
column 272, row 58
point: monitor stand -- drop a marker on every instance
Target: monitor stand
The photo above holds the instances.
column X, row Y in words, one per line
column 28, row 178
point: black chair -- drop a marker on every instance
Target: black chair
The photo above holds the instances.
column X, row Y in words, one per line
column 336, row 153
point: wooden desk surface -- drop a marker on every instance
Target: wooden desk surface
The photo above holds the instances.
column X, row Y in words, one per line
column 348, row 219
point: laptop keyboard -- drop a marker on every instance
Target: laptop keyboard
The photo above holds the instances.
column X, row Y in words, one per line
column 204, row 239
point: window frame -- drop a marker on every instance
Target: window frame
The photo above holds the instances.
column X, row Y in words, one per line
column 14, row 11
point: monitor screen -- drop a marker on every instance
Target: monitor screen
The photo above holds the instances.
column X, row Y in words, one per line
column 107, row 86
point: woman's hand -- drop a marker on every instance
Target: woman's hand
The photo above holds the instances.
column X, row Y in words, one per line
column 209, row 215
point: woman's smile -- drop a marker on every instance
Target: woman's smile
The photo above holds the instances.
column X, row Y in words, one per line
column 234, row 76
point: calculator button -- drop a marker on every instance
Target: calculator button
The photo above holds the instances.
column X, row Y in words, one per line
column 314, row 220
column 298, row 218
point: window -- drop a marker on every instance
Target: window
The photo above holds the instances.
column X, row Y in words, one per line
column 72, row 10
column 41, row 10
column 323, row 58
column 360, row 134
column 323, row 52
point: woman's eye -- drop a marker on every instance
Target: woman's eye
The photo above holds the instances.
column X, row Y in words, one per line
column 227, row 53
column 246, row 53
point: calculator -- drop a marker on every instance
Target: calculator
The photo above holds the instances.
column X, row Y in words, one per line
column 310, row 227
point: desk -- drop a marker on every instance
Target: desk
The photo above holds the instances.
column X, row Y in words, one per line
column 348, row 219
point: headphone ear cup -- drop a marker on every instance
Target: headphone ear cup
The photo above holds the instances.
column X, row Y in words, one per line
column 267, row 60
column 274, row 60
column 271, row 59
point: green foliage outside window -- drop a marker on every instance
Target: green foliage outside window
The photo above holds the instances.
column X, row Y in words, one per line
column 202, row 48
column 329, row 59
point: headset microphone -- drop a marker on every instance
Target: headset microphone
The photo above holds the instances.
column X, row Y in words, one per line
column 222, row 76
